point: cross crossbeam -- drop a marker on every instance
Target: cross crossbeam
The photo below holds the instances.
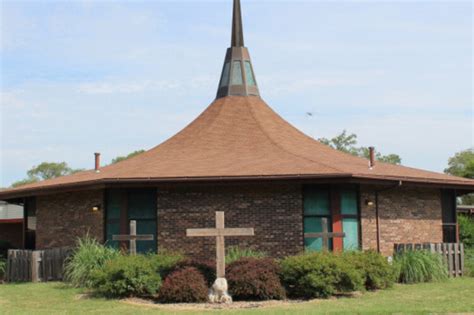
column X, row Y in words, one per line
column 133, row 237
column 220, row 232
column 325, row 235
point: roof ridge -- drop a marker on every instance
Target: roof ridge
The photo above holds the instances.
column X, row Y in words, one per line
column 282, row 148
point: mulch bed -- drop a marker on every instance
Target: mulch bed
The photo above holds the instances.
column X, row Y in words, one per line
column 211, row 306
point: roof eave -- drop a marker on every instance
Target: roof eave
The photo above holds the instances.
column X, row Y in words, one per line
column 107, row 182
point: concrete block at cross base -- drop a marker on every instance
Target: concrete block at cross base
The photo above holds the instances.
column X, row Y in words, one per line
column 218, row 292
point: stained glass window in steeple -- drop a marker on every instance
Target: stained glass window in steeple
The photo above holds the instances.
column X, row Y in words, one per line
column 236, row 78
column 249, row 74
column 225, row 75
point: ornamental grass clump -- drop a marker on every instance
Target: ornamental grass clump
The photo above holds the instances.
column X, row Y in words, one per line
column 186, row 285
column 377, row 272
column 319, row 275
column 235, row 253
column 254, row 279
column 126, row 276
column 420, row 266
column 87, row 257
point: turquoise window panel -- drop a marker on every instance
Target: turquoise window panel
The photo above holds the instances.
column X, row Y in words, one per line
column 225, row 75
column 236, row 78
column 112, row 229
column 249, row 74
column 313, row 225
column 146, row 227
column 316, row 202
column 350, row 226
column 114, row 201
column 141, row 205
column 349, row 202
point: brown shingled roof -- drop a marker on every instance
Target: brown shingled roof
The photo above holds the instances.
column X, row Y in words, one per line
column 240, row 137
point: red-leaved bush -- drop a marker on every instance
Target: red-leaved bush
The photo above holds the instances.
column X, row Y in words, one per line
column 205, row 267
column 254, row 279
column 185, row 285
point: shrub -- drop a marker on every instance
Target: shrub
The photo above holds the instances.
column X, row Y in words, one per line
column 235, row 253
column 205, row 267
column 186, row 285
column 420, row 266
column 165, row 262
column 319, row 274
column 469, row 262
column 466, row 230
column 377, row 272
column 252, row 278
column 88, row 257
column 126, row 276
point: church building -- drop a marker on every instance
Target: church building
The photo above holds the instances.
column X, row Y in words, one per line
column 241, row 157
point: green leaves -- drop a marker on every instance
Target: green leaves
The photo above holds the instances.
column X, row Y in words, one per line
column 347, row 143
column 46, row 170
column 123, row 158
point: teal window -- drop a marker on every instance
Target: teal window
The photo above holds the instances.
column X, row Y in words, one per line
column 349, row 202
column 316, row 207
column 113, row 210
column 125, row 205
column 225, row 75
column 350, row 226
column 350, row 218
column 142, row 208
column 249, row 74
column 236, row 78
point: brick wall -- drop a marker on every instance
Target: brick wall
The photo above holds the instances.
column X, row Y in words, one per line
column 273, row 210
column 62, row 218
column 13, row 233
column 406, row 215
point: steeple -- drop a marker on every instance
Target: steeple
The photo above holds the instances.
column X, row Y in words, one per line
column 237, row 76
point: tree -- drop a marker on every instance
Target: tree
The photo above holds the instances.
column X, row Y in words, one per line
column 122, row 158
column 46, row 170
column 347, row 143
column 462, row 164
column 25, row 181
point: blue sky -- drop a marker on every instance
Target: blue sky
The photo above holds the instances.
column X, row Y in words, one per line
column 84, row 76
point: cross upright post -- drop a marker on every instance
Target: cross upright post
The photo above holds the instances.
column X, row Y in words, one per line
column 220, row 232
column 133, row 237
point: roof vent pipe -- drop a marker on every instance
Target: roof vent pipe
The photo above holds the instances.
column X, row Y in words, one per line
column 97, row 162
column 371, row 157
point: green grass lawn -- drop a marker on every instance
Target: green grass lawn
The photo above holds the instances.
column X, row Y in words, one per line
column 453, row 296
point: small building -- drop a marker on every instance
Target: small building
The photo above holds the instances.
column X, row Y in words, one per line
column 465, row 209
column 241, row 157
column 11, row 225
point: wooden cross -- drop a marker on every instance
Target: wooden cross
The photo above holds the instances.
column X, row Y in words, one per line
column 133, row 237
column 325, row 235
column 220, row 232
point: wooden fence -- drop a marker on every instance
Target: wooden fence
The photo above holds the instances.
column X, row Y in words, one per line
column 452, row 253
column 36, row 265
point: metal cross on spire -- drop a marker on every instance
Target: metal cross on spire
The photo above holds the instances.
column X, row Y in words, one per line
column 237, row 31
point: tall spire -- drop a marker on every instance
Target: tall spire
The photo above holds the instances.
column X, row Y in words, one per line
column 237, row 76
column 237, row 31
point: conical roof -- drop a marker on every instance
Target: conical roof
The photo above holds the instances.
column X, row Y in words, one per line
column 235, row 138
column 239, row 137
